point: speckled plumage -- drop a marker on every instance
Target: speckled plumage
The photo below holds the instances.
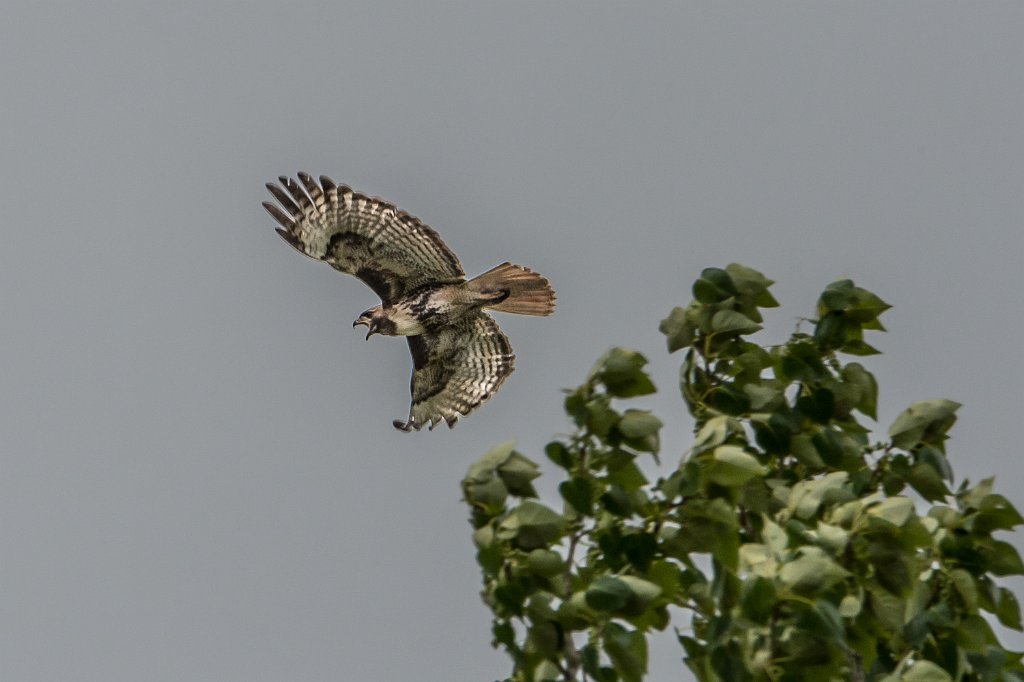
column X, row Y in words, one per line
column 460, row 355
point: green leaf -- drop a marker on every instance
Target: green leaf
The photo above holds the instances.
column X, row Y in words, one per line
column 925, row 671
column 578, row 492
column 608, row 593
column 750, row 364
column 887, row 608
column 499, row 472
column 591, row 662
column 678, row 330
column 859, row 347
column 538, row 607
column 932, row 458
column 867, row 388
column 1007, row 608
column 808, row 495
column 706, row 526
column 728, row 399
column 837, row 296
column 531, row 525
column 926, row 421
column 927, row 481
column 963, row 582
column 643, row 593
column 833, row 329
column 818, row 405
column 545, row 562
column 713, row 286
column 972, row 498
column 547, row 672
column 516, row 472
column 714, row 432
column 492, row 459
column 624, row 472
column 639, row 429
column 511, row 596
column 866, row 307
column 825, row 621
column 974, row 634
column 1001, row 557
column 504, row 634
column 576, row 405
column 490, row 557
column 640, row 548
column 850, row 606
column 895, row 510
column 801, row 361
column 734, row 323
column 831, row 538
column 667, row 576
column 544, row 638
column 574, row 614
column 729, row 663
column 750, row 282
column 758, row 599
column 756, row 559
column 859, row 304
column 828, row 443
column 627, row 650
column 775, row 537
column 773, row 435
column 940, row 616
column 600, row 416
column 763, row 397
column 490, row 495
column 616, row 500
column 889, row 559
column 621, row 372
column 732, row 466
column 559, row 454
column 638, row 424
column 803, row 448
column 995, row 512
column 811, row 572
column 483, row 536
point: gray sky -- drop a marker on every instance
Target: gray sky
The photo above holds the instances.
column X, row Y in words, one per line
column 199, row 479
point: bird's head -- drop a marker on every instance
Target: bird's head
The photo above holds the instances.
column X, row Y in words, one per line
column 373, row 319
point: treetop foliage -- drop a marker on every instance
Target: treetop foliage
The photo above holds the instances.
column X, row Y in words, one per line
column 788, row 543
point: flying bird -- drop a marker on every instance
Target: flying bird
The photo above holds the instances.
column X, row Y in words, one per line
column 460, row 356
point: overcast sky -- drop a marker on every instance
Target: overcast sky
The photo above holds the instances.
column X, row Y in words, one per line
column 198, row 476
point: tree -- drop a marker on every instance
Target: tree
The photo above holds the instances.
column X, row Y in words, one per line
column 793, row 545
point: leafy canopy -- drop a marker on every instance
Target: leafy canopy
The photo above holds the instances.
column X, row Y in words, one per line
column 791, row 545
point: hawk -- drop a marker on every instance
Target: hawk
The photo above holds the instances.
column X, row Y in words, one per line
column 459, row 354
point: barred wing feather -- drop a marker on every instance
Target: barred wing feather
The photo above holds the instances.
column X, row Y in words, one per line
column 388, row 249
column 455, row 370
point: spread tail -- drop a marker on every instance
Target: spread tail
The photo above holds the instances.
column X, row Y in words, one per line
column 522, row 291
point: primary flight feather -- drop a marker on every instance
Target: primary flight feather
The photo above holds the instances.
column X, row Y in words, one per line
column 459, row 354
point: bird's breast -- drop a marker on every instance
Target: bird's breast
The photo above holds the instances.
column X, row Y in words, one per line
column 406, row 322
column 428, row 310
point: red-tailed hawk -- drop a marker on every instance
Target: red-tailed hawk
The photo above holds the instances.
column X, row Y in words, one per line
column 459, row 355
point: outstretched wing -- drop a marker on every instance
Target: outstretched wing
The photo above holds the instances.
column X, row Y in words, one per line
column 455, row 370
column 389, row 250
